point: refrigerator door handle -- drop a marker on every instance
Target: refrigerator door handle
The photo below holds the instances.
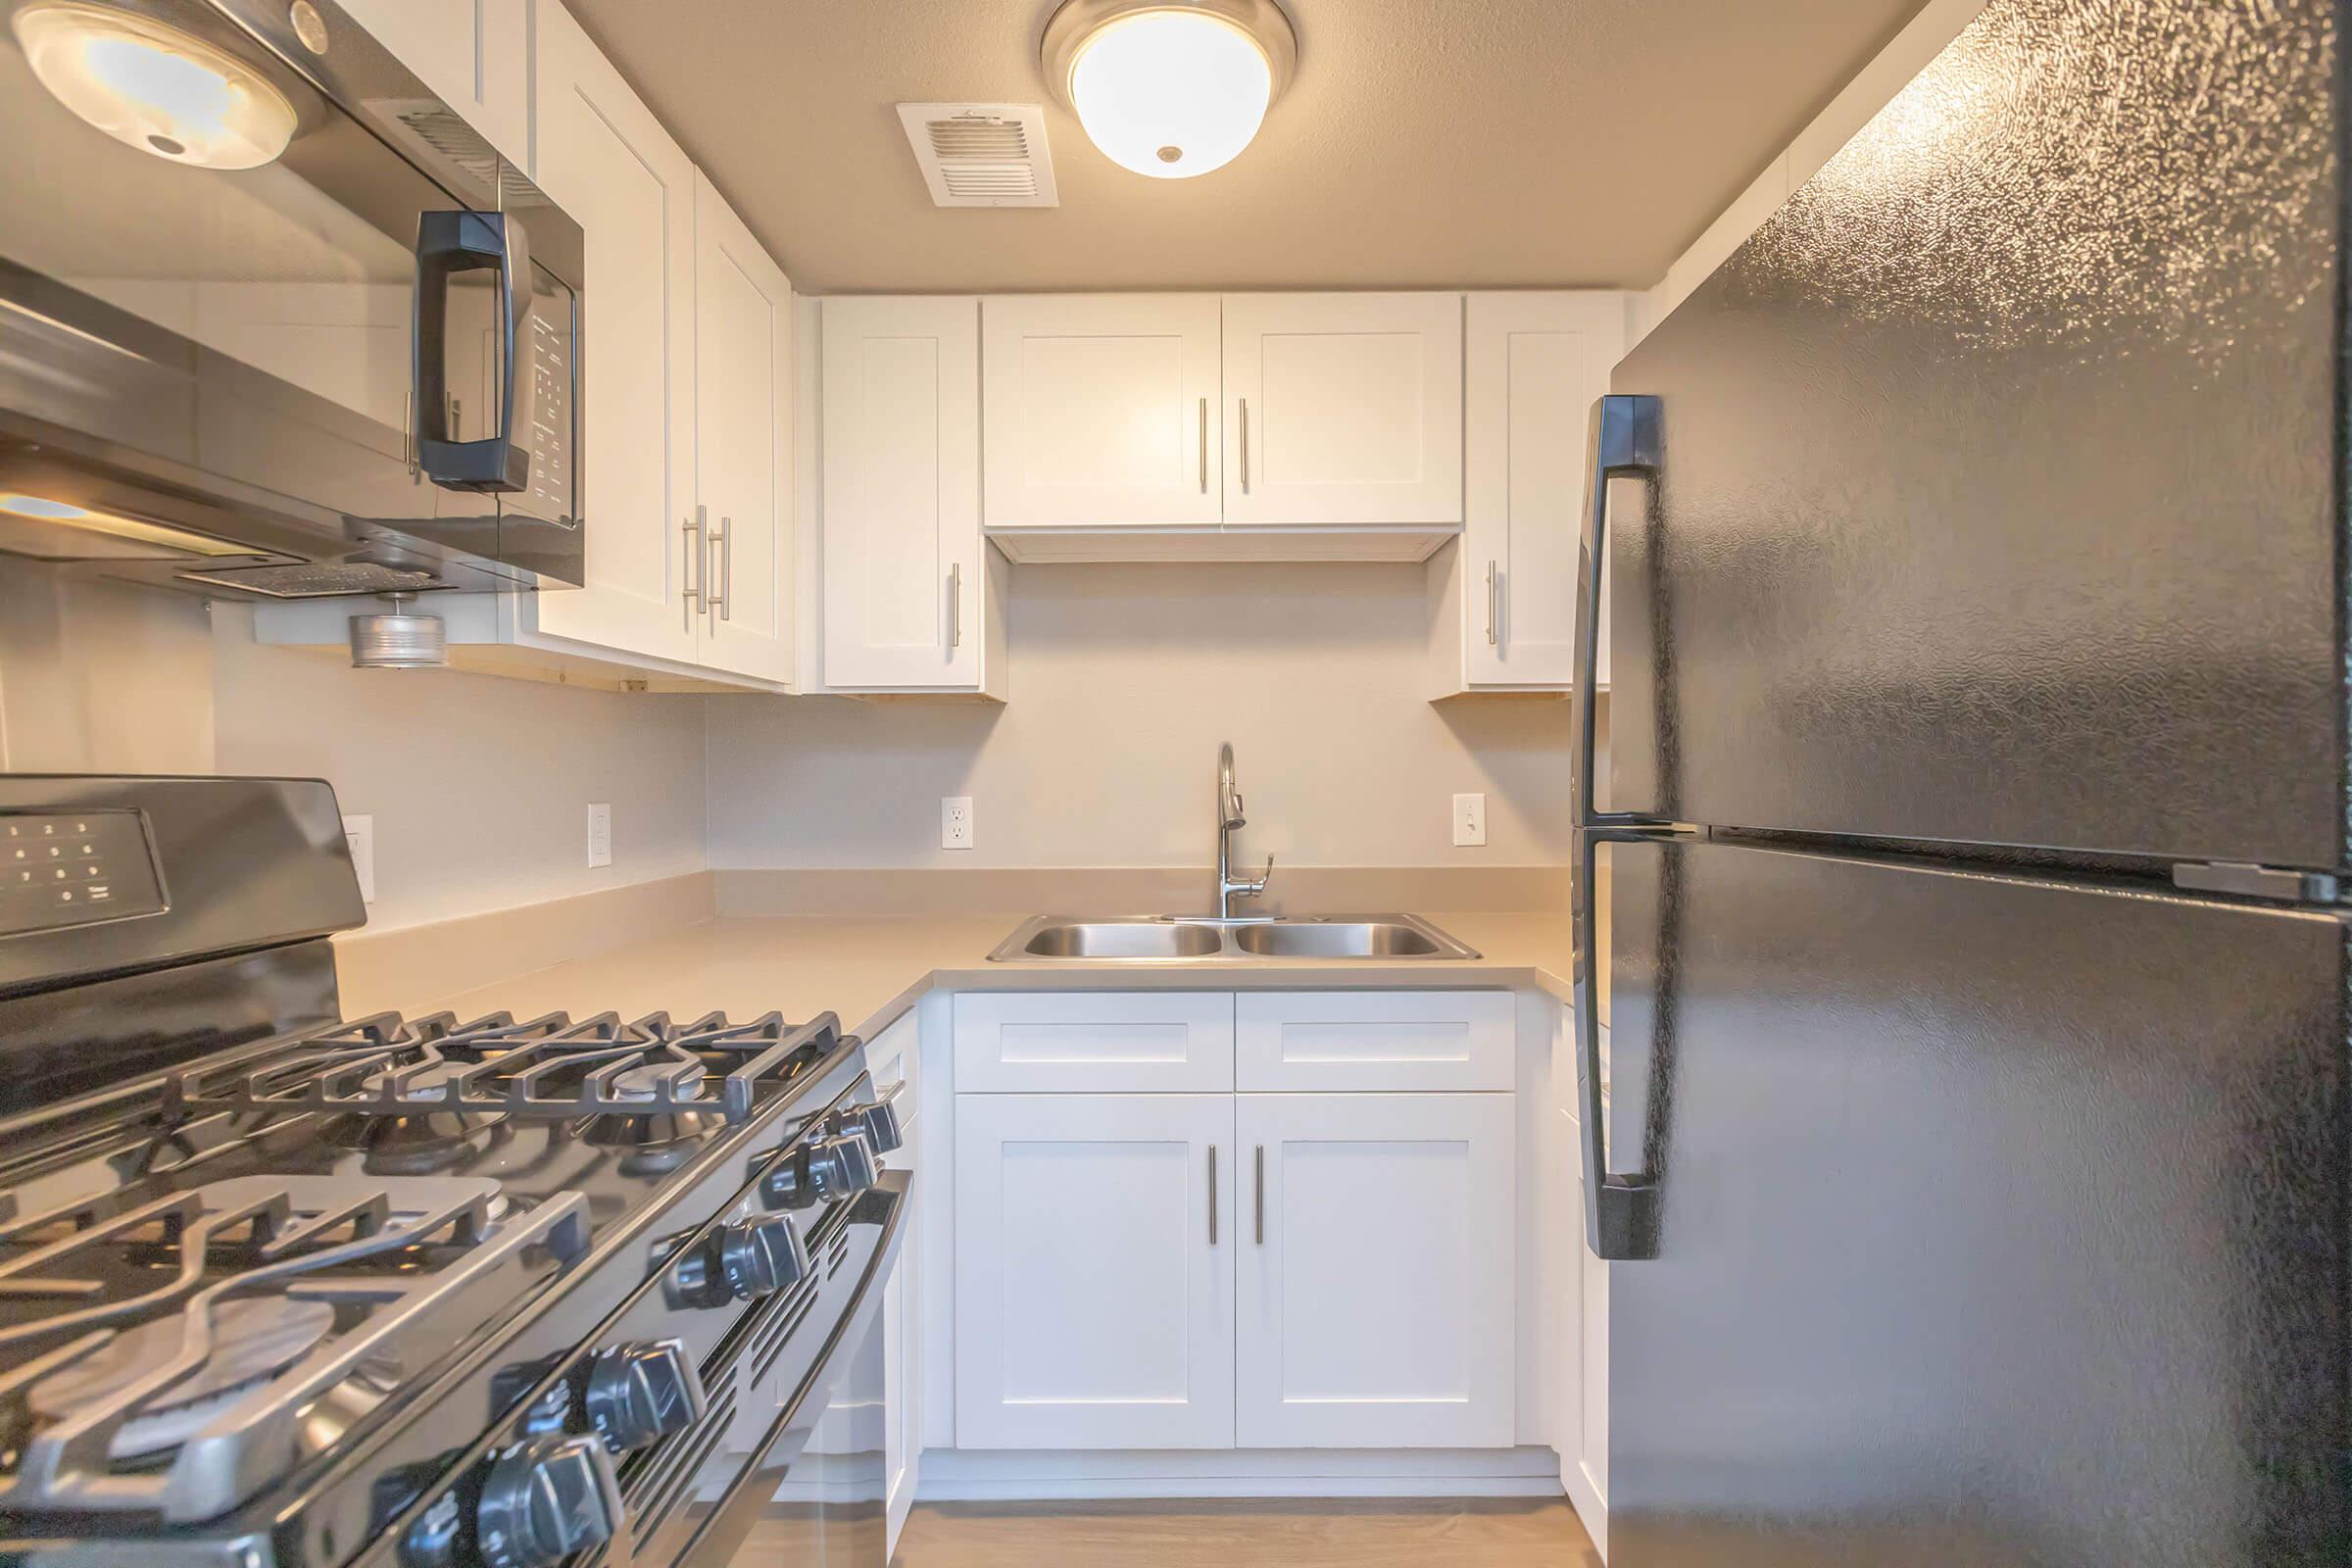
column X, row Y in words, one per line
column 1625, row 441
column 1621, row 1212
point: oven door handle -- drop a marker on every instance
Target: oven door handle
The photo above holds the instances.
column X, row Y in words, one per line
column 448, row 243
column 730, row 1523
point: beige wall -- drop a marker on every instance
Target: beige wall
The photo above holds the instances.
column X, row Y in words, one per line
column 478, row 786
column 1124, row 679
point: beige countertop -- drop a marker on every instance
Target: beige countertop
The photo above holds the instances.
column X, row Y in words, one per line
column 870, row 969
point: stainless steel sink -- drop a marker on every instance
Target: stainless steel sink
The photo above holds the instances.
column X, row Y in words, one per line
column 1340, row 939
column 1155, row 939
column 1115, row 939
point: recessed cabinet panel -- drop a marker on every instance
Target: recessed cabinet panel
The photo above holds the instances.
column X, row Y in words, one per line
column 1094, row 1042
column 905, row 590
column 609, row 164
column 1342, row 408
column 1100, row 410
column 1093, row 1289
column 1377, row 1041
column 743, row 444
column 1377, row 1278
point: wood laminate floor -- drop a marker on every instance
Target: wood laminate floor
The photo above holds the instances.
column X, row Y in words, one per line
column 1289, row 1532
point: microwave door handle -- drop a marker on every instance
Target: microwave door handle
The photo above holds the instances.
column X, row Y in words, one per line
column 1625, row 440
column 448, row 243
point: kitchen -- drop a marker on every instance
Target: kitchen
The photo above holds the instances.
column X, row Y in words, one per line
column 615, row 623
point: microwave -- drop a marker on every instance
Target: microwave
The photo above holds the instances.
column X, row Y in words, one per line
column 274, row 320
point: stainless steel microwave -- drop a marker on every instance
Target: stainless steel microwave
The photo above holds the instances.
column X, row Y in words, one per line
column 274, row 320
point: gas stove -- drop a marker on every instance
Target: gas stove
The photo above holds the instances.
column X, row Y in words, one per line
column 286, row 1291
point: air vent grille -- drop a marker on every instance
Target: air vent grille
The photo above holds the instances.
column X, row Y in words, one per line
column 982, row 155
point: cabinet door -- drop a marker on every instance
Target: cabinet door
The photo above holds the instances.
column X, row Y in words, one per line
column 608, row 163
column 475, row 54
column 1100, row 408
column 1094, row 1271
column 903, row 585
column 742, row 371
column 1536, row 363
column 1377, row 1272
column 1344, row 408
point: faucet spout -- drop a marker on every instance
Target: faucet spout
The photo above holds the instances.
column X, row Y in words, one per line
column 1230, row 818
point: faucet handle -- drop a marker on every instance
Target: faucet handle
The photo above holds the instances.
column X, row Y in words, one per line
column 1265, row 876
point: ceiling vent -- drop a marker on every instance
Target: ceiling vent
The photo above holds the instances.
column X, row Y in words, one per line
column 982, row 155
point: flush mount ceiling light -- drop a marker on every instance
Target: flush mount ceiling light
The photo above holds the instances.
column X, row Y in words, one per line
column 152, row 87
column 1169, row 89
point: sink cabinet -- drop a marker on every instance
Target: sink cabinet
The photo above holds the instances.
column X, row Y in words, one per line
column 1151, row 1252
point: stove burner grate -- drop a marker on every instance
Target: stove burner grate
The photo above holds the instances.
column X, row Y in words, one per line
column 380, row 1254
column 545, row 1065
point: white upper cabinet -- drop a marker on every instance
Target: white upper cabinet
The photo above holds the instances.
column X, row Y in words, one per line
column 1100, row 410
column 475, row 54
column 743, row 377
column 909, row 596
column 607, row 161
column 1505, row 603
column 1343, row 409
column 1377, row 1272
column 1537, row 362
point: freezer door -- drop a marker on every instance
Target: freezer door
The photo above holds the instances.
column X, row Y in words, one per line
column 1999, row 487
column 2003, row 1222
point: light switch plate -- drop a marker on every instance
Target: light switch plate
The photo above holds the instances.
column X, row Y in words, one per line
column 359, row 833
column 1469, row 819
column 600, row 834
column 956, row 821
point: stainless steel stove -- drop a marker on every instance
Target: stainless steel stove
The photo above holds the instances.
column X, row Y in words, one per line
column 279, row 1289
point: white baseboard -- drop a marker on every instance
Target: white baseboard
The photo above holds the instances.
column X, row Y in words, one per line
column 1591, row 1506
column 966, row 1475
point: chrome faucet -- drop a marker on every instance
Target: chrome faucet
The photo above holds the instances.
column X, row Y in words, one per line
column 1229, row 818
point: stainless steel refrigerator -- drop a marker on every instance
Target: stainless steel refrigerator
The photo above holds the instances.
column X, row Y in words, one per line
column 1977, row 824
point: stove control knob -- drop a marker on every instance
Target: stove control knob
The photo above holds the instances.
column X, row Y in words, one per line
column 879, row 1121
column 761, row 1256
column 640, row 1393
column 544, row 1501
column 824, row 1171
column 843, row 1168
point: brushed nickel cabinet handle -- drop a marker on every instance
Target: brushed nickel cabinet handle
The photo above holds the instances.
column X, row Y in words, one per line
column 1212, row 1195
column 956, row 604
column 1490, row 605
column 692, row 527
column 1205, row 446
column 1261, row 1196
column 722, row 603
column 407, row 435
column 1245, row 446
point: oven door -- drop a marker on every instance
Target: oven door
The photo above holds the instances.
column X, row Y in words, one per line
column 791, row 1451
column 315, row 323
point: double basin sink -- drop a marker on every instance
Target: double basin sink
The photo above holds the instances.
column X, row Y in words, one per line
column 1148, row 939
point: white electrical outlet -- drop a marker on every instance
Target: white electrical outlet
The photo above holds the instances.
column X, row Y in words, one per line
column 359, row 833
column 1470, row 819
column 956, row 821
column 600, row 834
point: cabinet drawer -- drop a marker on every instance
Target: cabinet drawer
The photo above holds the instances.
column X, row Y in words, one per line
column 1094, row 1042
column 1423, row 1041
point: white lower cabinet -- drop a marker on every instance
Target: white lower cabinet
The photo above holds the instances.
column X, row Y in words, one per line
column 1158, row 1270
column 1377, row 1273
column 1094, row 1271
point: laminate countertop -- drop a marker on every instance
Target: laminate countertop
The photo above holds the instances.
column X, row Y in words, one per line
column 870, row 970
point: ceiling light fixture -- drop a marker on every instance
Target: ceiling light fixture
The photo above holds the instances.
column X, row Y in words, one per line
column 1169, row 89
column 150, row 86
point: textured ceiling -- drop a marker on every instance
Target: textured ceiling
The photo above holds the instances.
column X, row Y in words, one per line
column 1424, row 143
